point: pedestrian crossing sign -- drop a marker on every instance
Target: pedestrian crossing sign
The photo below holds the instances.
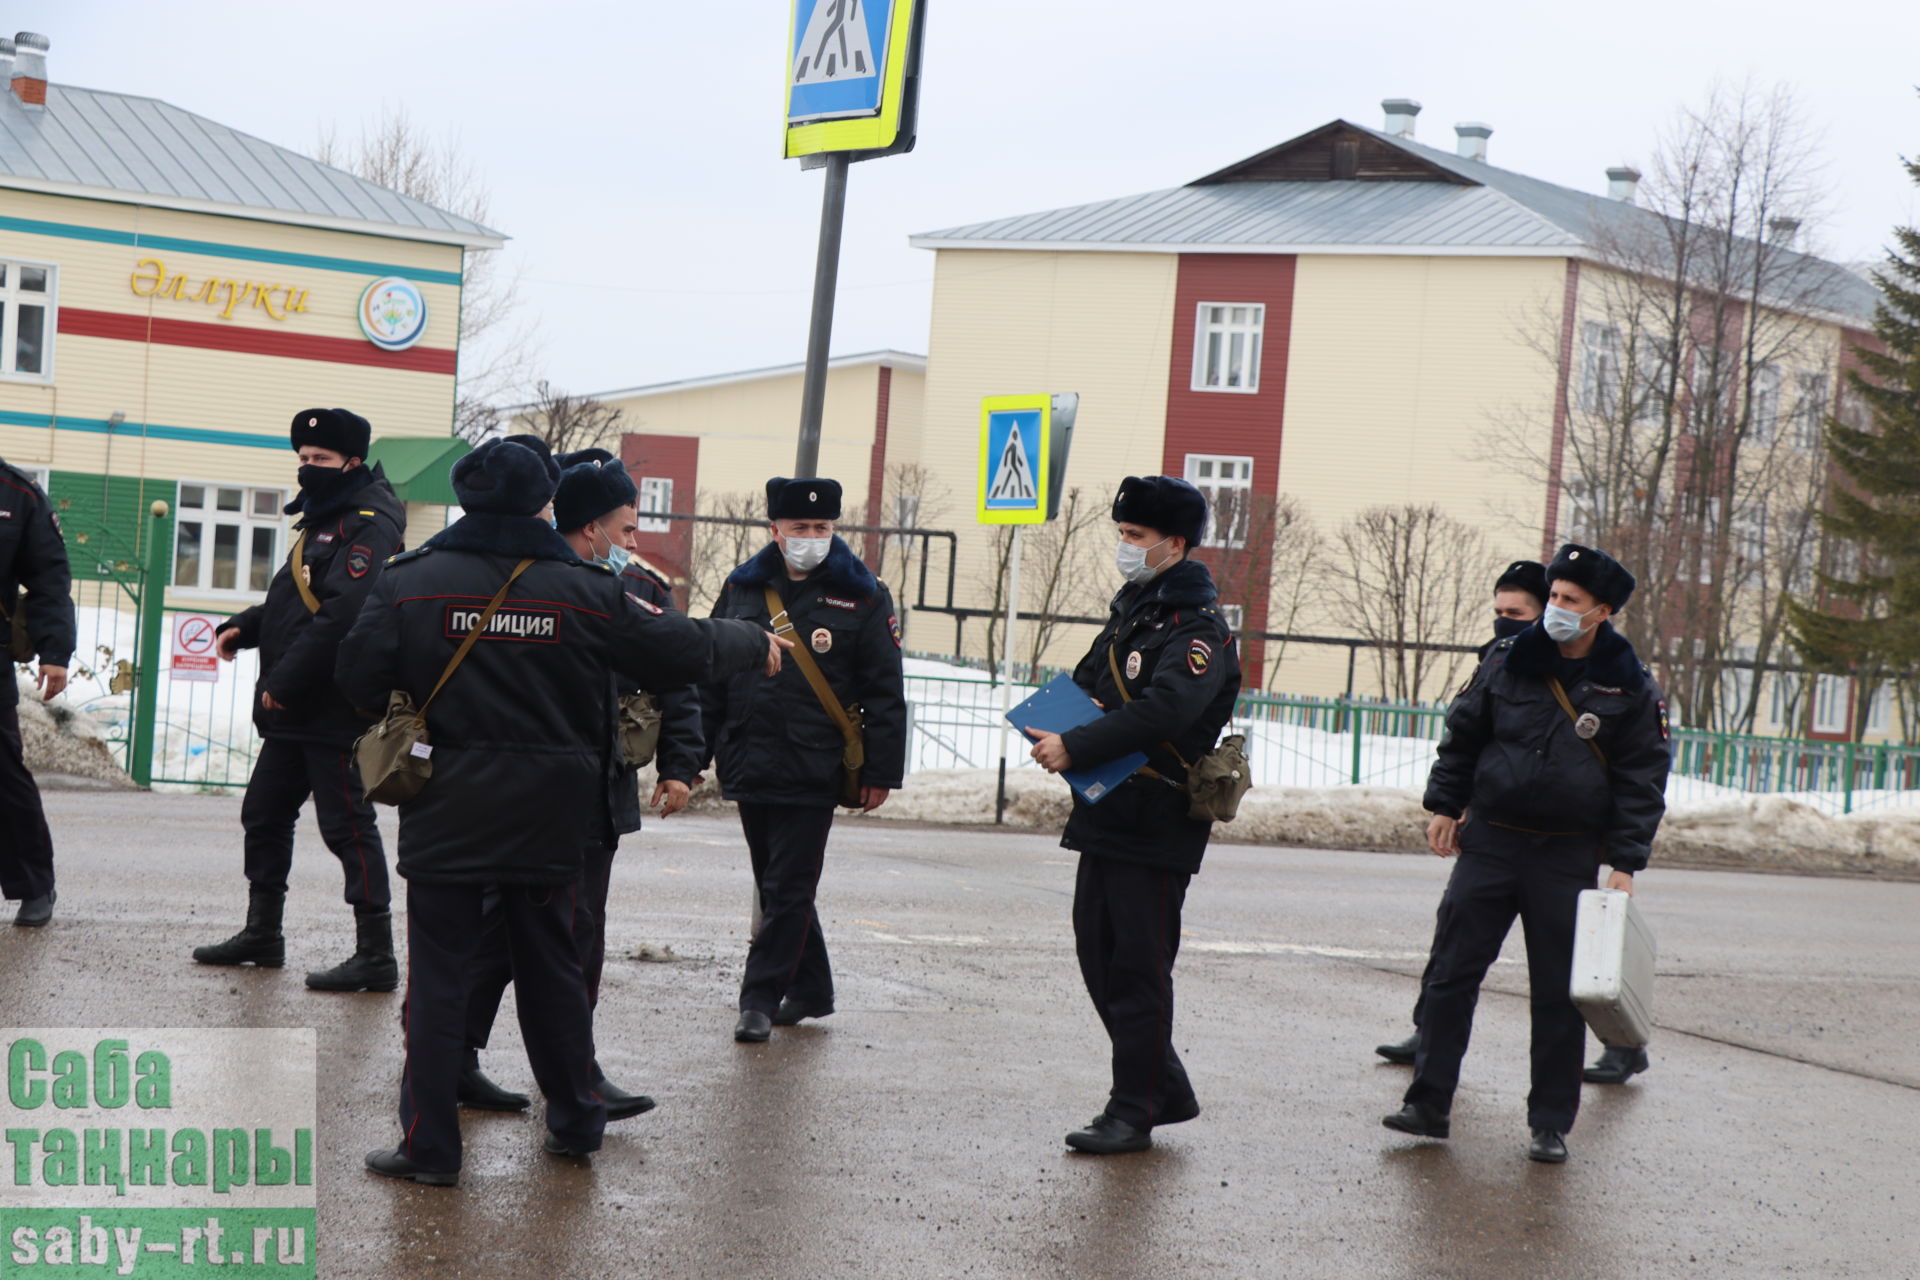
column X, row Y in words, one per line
column 846, row 74
column 1015, row 440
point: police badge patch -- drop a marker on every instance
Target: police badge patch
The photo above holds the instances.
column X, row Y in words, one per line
column 650, row 608
column 1586, row 726
column 1199, row 657
column 1133, row 665
column 821, row 640
column 359, row 560
column 893, row 629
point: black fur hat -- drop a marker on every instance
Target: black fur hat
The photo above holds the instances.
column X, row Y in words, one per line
column 1596, row 572
column 1166, row 503
column 504, row 478
column 803, row 499
column 589, row 489
column 341, row 430
column 578, row 456
column 1529, row 576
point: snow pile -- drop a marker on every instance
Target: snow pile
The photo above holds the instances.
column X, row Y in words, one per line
column 60, row 740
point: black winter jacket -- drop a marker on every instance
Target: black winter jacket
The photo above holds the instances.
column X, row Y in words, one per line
column 773, row 741
column 1512, row 756
column 348, row 540
column 1182, row 668
column 523, row 735
column 678, row 758
column 33, row 555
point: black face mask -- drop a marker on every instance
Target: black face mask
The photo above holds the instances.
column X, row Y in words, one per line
column 1507, row 628
column 319, row 486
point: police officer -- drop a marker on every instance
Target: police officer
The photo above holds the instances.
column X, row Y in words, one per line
column 33, row 557
column 350, row 521
column 778, row 749
column 522, row 742
column 1519, row 596
column 1553, row 792
column 595, row 509
column 1167, row 671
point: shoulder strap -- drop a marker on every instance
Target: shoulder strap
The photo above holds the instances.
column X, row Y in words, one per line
column 1114, row 662
column 783, row 626
column 466, row 646
column 296, row 568
column 1566, row 705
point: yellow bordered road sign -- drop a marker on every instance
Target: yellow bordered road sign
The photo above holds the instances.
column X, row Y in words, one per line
column 1015, row 443
column 846, row 74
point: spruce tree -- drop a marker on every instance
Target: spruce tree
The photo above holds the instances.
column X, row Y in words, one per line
column 1868, row 622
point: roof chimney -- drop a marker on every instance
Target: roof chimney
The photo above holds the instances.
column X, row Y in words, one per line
column 1785, row 231
column 29, row 78
column 6, row 61
column 1400, row 114
column 1472, row 139
column 1623, row 183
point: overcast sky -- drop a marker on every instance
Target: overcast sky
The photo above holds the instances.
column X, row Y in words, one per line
column 633, row 149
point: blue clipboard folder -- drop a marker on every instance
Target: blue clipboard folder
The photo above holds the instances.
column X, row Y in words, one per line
column 1062, row 705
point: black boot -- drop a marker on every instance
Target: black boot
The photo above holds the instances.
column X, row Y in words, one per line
column 260, row 942
column 1616, row 1066
column 1400, row 1054
column 371, row 967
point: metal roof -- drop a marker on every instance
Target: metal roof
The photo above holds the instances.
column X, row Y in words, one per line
column 1494, row 212
column 905, row 360
column 100, row 145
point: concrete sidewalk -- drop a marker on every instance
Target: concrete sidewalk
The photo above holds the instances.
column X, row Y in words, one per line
column 917, row 1132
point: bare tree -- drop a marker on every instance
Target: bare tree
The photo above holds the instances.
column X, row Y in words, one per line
column 497, row 354
column 1406, row 577
column 1691, row 403
column 1269, row 551
column 568, row 422
column 1059, row 574
column 716, row 550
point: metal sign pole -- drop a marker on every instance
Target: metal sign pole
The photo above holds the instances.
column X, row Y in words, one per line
column 826, row 279
column 1006, row 672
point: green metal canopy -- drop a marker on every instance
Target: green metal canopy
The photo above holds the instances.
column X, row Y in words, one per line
column 417, row 466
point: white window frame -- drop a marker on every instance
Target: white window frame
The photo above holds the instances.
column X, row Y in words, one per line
column 245, row 520
column 1783, row 700
column 655, row 501
column 1880, row 710
column 1205, row 328
column 1810, row 411
column 1830, row 704
column 10, row 299
column 41, row 476
column 1235, row 616
column 1203, row 472
column 1763, row 403
column 1599, row 368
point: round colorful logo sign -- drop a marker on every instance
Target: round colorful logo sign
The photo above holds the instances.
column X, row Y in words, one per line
column 393, row 313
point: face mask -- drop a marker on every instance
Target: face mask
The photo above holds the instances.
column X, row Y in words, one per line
column 1563, row 625
column 806, row 554
column 320, row 481
column 1507, row 628
column 1132, row 561
column 617, row 557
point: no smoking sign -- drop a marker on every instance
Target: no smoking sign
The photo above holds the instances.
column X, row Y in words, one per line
column 195, row 655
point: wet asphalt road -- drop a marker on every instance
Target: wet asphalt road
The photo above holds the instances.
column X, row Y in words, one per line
column 917, row 1132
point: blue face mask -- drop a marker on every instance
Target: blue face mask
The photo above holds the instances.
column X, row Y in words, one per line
column 1564, row 625
column 616, row 557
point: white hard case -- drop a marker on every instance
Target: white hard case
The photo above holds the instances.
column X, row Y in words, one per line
column 1613, row 956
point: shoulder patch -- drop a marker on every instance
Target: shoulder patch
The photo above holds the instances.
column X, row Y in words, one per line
column 893, row 629
column 648, row 606
column 1199, row 656
column 359, row 560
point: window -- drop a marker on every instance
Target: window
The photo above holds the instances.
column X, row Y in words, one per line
column 227, row 538
column 1228, row 484
column 27, row 311
column 656, row 500
column 1880, row 710
column 1234, row 615
column 1809, row 411
column 1226, row 347
column 1599, row 368
column 1763, row 401
column 1830, row 704
column 1785, row 704
column 1653, row 358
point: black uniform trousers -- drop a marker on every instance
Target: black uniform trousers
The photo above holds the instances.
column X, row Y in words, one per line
column 1500, row 874
column 788, row 957
column 493, row 967
column 26, row 846
column 443, row 944
column 284, row 775
column 1126, row 928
